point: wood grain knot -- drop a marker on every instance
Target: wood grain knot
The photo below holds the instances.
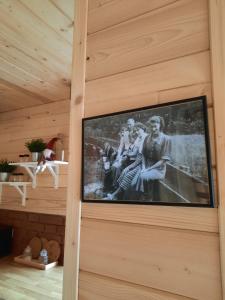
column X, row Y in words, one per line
column 187, row 270
column 78, row 100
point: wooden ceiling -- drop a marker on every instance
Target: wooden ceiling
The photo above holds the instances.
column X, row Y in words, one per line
column 35, row 52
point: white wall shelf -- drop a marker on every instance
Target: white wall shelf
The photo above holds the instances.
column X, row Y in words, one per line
column 21, row 187
column 30, row 167
column 51, row 166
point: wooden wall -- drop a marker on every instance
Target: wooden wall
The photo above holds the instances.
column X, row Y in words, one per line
column 35, row 53
column 138, row 53
column 141, row 53
column 17, row 127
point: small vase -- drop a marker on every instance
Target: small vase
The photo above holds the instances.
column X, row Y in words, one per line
column 36, row 156
column 4, row 176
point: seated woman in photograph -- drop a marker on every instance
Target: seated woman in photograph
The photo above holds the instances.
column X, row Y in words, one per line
column 128, row 157
column 156, row 153
column 127, row 175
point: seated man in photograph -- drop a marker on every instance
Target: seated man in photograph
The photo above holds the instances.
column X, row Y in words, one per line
column 108, row 155
column 125, row 142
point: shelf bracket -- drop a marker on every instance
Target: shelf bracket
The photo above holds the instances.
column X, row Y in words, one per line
column 54, row 171
column 32, row 174
column 23, row 192
column 21, row 187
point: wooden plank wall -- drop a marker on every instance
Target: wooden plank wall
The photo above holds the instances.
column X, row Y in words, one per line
column 17, row 127
column 217, row 39
column 141, row 53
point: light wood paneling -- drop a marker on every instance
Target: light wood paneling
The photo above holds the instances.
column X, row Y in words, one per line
column 37, row 114
column 104, row 13
column 55, row 18
column 217, row 34
column 36, row 52
column 14, row 97
column 53, row 207
column 162, row 76
column 175, row 30
column 142, row 99
column 17, row 127
column 66, row 7
column 182, row 262
column 186, row 92
column 50, row 120
column 49, row 127
column 19, row 77
column 95, row 287
column 174, row 217
column 95, row 108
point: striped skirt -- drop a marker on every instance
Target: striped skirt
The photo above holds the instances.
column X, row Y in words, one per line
column 127, row 177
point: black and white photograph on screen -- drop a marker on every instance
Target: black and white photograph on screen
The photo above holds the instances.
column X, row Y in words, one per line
column 151, row 155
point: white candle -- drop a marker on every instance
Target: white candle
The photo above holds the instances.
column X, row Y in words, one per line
column 62, row 155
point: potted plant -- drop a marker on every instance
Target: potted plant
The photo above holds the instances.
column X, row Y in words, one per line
column 36, row 147
column 5, row 169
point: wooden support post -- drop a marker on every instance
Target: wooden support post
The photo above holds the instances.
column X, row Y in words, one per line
column 72, row 240
column 217, row 38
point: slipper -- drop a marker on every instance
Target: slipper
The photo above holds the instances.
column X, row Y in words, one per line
column 109, row 197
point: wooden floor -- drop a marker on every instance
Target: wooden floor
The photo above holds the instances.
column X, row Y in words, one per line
column 19, row 282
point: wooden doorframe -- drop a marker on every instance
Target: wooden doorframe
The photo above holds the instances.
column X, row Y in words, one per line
column 217, row 42
column 73, row 214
